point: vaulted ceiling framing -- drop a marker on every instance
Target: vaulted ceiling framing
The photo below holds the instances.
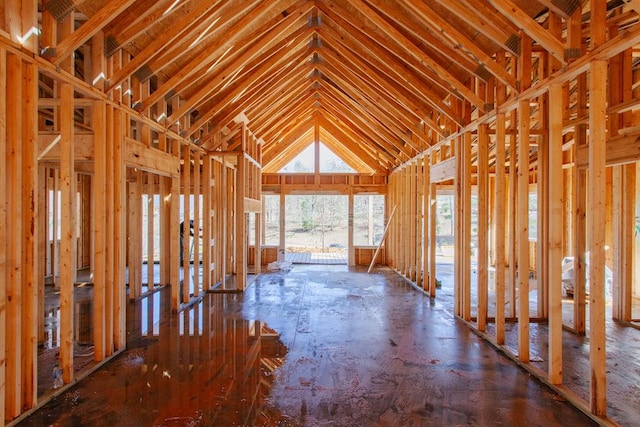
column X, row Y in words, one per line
column 380, row 81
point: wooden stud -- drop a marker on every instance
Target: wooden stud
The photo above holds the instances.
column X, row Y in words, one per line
column 134, row 235
column 99, row 221
column 523, row 230
column 458, row 230
column 31, row 259
column 350, row 214
column 68, row 229
column 466, row 227
column 121, row 121
column 512, row 230
column 151, row 207
column 412, row 199
column 483, row 221
column 13, row 302
column 197, row 221
column 110, row 130
column 596, row 227
column 186, row 233
column 165, row 235
column 427, row 273
column 500, row 220
column 433, row 210
column 174, row 252
column 241, row 221
column 3, row 229
column 556, row 206
column 207, row 221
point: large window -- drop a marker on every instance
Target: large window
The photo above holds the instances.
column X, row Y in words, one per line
column 368, row 219
column 271, row 220
column 316, row 223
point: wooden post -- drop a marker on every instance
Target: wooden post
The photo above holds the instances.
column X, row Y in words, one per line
column 458, row 229
column 151, row 207
column 501, row 224
column 596, row 227
column 466, row 227
column 411, row 212
column 483, row 224
column 3, row 228
column 186, row 230
column 257, row 267
column 165, row 229
column 207, row 221
column 556, row 206
column 13, row 280
column 174, row 252
column 68, row 229
column 241, row 224
column 120, row 229
column 110, row 232
column 225, row 222
column 512, row 226
column 282, row 227
column 427, row 231
column 99, row 230
column 351, row 249
column 523, row 230
column 134, row 235
column 433, row 207
column 31, row 258
column 197, row 221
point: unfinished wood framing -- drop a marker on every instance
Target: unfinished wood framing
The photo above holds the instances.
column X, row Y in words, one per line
column 110, row 120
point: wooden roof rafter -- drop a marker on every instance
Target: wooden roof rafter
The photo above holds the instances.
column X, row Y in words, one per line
column 239, row 31
column 88, row 29
column 193, row 19
column 236, row 90
column 374, row 115
column 382, row 108
column 367, row 123
column 529, row 25
column 391, row 64
column 400, row 41
column 344, row 152
column 394, row 92
column 329, row 130
column 376, row 153
column 139, row 17
column 502, row 32
column 365, row 131
column 458, row 39
column 225, row 75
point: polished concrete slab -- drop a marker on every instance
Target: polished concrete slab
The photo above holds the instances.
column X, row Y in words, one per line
column 319, row 345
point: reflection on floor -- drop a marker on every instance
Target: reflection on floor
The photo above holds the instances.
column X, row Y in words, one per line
column 342, row 348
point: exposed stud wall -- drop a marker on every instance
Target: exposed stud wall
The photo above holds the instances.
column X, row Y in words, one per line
column 552, row 112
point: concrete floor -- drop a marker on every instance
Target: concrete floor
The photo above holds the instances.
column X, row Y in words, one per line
column 319, row 345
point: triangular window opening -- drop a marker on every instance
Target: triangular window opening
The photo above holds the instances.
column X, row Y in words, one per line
column 304, row 162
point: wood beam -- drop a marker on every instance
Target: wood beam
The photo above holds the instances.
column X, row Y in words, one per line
column 468, row 46
column 530, row 27
column 91, row 27
column 454, row 85
column 252, row 11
